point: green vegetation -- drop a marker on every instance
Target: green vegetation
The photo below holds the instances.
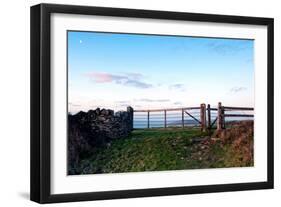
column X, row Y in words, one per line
column 160, row 149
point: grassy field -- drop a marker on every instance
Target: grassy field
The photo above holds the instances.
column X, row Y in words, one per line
column 159, row 149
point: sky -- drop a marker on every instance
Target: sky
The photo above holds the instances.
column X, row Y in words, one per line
column 114, row 70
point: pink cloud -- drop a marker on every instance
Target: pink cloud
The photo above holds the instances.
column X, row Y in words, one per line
column 99, row 77
column 129, row 79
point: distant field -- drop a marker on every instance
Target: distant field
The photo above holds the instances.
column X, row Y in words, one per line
column 159, row 149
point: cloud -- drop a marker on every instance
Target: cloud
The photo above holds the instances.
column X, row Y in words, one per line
column 177, row 103
column 74, row 105
column 100, row 77
column 137, row 84
column 135, row 76
column 177, row 86
column 237, row 89
column 152, row 100
column 249, row 60
column 128, row 79
column 124, row 105
column 226, row 48
column 122, row 102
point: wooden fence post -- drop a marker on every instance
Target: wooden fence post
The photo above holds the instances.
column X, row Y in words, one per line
column 130, row 110
column 165, row 118
column 222, row 118
column 203, row 117
column 182, row 118
column 147, row 119
column 219, row 119
column 209, row 116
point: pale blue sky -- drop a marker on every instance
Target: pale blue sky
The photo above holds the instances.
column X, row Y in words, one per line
column 109, row 70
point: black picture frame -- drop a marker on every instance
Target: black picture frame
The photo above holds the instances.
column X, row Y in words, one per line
column 41, row 95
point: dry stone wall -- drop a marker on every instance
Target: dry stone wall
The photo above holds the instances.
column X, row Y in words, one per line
column 95, row 128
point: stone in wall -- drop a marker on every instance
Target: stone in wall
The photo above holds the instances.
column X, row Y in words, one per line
column 95, row 128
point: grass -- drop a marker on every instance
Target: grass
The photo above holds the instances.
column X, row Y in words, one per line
column 156, row 150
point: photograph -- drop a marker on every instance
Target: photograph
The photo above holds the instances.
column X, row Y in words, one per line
column 150, row 102
column 131, row 103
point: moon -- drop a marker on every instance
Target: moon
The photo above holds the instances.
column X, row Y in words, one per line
column 80, row 41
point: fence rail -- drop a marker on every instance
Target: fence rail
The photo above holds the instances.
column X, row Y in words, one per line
column 238, row 108
column 203, row 116
column 168, row 109
column 222, row 114
column 238, row 115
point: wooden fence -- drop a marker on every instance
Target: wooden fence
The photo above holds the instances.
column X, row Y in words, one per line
column 223, row 114
column 203, row 116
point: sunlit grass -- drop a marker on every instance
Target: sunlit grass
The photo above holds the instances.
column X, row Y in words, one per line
column 156, row 150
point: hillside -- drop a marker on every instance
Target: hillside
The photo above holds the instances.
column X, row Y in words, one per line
column 172, row 149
